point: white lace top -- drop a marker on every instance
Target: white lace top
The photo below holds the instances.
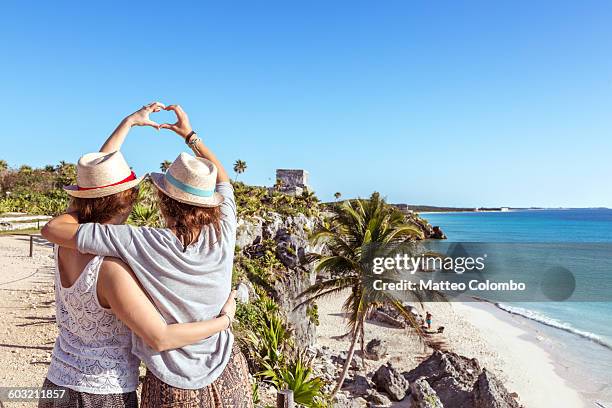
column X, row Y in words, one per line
column 93, row 351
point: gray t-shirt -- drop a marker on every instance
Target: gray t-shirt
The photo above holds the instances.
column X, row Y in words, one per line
column 185, row 287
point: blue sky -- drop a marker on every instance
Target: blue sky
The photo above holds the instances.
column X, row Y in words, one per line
column 472, row 103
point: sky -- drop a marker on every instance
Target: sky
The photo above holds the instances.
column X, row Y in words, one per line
column 450, row 103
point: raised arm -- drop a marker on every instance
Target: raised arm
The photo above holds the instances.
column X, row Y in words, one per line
column 119, row 289
column 138, row 118
column 62, row 229
column 182, row 127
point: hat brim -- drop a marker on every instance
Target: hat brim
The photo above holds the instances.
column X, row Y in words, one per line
column 159, row 181
column 101, row 192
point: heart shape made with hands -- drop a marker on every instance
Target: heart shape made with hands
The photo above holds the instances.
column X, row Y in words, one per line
column 143, row 116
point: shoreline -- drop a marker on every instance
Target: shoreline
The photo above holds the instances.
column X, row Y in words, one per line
column 506, row 332
column 572, row 354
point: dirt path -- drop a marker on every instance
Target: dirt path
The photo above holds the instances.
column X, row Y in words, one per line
column 27, row 313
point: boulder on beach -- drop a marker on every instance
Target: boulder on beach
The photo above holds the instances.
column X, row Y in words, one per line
column 389, row 380
column 376, row 349
column 359, row 385
column 460, row 382
column 423, row 396
column 489, row 392
column 452, row 377
column 377, row 399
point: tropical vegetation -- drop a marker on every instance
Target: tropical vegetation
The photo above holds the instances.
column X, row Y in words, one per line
column 239, row 167
column 165, row 165
column 35, row 190
column 356, row 228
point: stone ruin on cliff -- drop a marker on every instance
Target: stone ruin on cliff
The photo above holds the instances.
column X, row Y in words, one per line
column 292, row 181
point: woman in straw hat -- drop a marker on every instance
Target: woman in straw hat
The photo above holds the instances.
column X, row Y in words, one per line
column 185, row 268
column 98, row 299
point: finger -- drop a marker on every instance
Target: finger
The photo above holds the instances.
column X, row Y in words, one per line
column 177, row 110
column 174, row 108
column 154, row 106
column 157, row 106
column 169, row 126
column 151, row 123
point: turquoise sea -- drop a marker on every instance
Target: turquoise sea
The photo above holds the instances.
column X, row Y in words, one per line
column 580, row 332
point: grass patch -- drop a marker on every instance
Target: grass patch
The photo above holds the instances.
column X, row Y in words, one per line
column 28, row 231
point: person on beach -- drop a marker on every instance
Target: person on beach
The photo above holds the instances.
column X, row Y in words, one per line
column 98, row 300
column 185, row 268
column 428, row 320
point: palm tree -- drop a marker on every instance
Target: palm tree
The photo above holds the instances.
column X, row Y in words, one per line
column 278, row 184
column 337, row 195
column 355, row 228
column 309, row 198
column 239, row 167
column 25, row 168
column 163, row 166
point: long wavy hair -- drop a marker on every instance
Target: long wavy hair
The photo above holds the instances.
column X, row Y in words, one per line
column 188, row 220
column 104, row 209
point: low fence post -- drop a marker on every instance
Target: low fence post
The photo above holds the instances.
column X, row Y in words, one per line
column 284, row 399
column 31, row 245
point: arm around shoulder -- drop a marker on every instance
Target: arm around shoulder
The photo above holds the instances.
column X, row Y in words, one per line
column 62, row 230
column 120, row 290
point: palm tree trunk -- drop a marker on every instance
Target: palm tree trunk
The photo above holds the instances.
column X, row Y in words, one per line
column 349, row 358
column 363, row 354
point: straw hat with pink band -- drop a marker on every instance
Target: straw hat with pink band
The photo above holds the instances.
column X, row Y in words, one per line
column 190, row 180
column 101, row 175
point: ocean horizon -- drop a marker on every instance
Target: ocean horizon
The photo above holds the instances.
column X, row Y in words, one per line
column 578, row 334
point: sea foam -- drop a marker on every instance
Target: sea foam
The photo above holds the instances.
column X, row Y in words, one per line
column 549, row 321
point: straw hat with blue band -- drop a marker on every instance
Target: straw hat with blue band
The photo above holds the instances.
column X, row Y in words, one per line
column 190, row 180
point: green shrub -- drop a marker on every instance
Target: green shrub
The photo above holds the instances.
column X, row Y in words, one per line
column 297, row 376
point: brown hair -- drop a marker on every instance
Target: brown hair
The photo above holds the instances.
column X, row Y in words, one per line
column 104, row 209
column 188, row 219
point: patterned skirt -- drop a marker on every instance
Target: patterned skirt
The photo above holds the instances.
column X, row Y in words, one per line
column 78, row 399
column 231, row 389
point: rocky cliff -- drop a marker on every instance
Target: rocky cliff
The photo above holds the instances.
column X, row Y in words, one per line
column 289, row 235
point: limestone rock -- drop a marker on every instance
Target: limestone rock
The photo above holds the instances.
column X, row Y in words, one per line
column 343, row 400
column 242, row 293
column 248, row 230
column 290, row 234
column 423, row 396
column 387, row 379
column 489, row 392
column 452, row 377
column 359, row 385
column 437, row 233
column 376, row 349
column 377, row 399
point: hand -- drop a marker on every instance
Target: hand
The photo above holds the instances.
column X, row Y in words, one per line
column 141, row 116
column 182, row 127
column 229, row 308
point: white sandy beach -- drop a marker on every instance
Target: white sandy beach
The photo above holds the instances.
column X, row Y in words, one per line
column 473, row 330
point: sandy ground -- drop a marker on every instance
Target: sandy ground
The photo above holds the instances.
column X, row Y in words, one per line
column 27, row 314
column 472, row 330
